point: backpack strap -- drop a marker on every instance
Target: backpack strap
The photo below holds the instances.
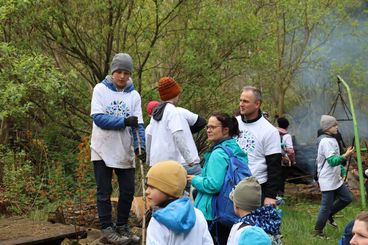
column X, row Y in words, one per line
column 227, row 150
column 243, row 225
column 231, row 155
column 323, row 164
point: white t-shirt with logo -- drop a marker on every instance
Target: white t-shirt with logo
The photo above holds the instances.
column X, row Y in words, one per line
column 258, row 139
column 163, row 146
column 329, row 178
column 114, row 147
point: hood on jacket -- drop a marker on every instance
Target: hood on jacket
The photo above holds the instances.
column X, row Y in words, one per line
column 108, row 83
column 158, row 112
column 178, row 216
column 266, row 217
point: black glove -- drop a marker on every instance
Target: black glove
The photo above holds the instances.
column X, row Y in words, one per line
column 131, row 121
column 141, row 156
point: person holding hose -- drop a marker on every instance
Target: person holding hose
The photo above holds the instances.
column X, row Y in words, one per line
column 335, row 194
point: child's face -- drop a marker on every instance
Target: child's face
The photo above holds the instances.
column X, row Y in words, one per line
column 120, row 78
column 155, row 196
column 333, row 130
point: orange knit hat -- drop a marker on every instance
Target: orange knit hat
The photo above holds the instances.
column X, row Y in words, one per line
column 168, row 88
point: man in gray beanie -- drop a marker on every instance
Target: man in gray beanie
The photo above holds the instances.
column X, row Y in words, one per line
column 116, row 112
column 258, row 225
column 330, row 169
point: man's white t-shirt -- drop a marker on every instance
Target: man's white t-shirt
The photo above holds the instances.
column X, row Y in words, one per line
column 258, row 139
column 114, row 147
column 163, row 146
column 329, row 178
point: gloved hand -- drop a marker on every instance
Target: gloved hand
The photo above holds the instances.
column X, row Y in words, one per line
column 131, row 121
column 141, row 156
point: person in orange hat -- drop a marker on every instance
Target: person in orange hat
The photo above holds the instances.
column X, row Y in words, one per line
column 170, row 137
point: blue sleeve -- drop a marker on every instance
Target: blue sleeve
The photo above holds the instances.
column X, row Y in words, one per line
column 106, row 121
column 141, row 136
column 212, row 182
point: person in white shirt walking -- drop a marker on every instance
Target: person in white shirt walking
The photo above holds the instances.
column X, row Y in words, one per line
column 335, row 194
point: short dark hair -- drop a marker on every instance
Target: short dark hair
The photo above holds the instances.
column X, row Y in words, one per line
column 229, row 122
column 283, row 122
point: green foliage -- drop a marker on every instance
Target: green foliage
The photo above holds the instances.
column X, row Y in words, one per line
column 52, row 53
column 28, row 187
column 19, row 182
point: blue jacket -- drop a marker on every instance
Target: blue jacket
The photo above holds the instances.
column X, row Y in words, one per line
column 265, row 217
column 106, row 121
column 213, row 175
column 178, row 222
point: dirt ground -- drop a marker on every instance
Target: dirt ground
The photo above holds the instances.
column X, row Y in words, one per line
column 19, row 229
column 23, row 228
column 14, row 230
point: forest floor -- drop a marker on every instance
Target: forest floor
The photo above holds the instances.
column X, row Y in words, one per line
column 299, row 213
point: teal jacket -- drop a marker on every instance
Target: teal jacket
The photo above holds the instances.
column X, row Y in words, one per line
column 213, row 175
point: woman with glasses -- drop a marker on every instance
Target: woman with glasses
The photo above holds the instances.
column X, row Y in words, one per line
column 221, row 130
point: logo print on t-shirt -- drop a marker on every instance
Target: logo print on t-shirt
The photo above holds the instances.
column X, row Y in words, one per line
column 246, row 141
column 118, row 108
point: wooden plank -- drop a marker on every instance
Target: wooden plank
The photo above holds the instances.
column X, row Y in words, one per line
column 52, row 239
column 20, row 230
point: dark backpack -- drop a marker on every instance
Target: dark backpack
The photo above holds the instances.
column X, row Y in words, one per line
column 222, row 206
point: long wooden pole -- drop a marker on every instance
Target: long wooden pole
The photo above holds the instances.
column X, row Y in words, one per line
column 143, row 189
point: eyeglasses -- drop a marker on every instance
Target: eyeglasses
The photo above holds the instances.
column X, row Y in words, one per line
column 212, row 127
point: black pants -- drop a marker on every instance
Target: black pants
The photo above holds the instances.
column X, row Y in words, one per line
column 103, row 176
column 285, row 174
column 219, row 233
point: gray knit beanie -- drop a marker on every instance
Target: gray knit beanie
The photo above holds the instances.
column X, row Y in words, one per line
column 247, row 194
column 327, row 122
column 122, row 61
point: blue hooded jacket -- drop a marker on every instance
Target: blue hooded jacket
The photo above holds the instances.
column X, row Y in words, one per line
column 266, row 217
column 179, row 222
column 111, row 122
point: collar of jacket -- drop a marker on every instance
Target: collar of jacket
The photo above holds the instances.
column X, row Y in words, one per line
column 219, row 142
column 109, row 83
column 253, row 120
